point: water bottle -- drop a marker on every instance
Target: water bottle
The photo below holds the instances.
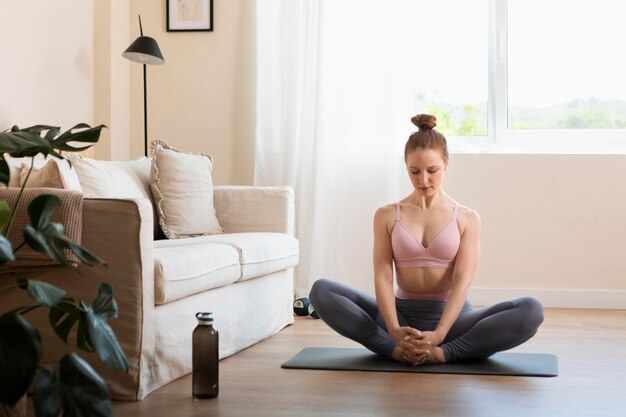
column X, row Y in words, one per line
column 205, row 354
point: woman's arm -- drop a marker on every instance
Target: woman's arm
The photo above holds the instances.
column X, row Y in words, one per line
column 463, row 274
column 383, row 277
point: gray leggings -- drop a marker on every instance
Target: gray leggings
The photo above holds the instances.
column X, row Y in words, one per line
column 477, row 333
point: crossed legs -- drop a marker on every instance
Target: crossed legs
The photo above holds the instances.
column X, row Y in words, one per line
column 477, row 333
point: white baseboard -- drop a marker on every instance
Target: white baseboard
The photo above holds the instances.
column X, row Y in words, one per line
column 554, row 298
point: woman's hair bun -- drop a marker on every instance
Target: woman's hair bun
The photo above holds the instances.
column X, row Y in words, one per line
column 424, row 121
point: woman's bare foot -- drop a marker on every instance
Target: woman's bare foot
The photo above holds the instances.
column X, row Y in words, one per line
column 398, row 355
column 435, row 356
column 403, row 355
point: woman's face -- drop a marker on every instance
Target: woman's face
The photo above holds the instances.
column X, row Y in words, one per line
column 426, row 168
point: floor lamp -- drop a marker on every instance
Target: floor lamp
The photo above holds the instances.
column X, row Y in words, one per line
column 144, row 50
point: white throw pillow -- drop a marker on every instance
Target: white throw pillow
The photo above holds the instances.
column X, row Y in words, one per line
column 15, row 168
column 55, row 173
column 183, row 192
column 113, row 179
column 116, row 179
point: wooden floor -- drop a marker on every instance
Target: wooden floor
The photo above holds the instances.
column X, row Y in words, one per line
column 590, row 344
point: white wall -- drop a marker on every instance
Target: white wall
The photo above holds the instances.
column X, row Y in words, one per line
column 203, row 98
column 555, row 224
column 112, row 79
column 46, row 70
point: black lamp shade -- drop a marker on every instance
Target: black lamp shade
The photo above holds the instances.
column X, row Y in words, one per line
column 144, row 50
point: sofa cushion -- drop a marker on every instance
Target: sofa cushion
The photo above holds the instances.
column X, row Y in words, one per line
column 55, row 173
column 183, row 192
column 15, row 167
column 182, row 269
column 261, row 253
column 113, row 179
column 116, row 179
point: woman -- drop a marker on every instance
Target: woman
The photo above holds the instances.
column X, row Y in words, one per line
column 434, row 243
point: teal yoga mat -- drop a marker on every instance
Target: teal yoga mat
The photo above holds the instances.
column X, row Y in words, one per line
column 503, row 363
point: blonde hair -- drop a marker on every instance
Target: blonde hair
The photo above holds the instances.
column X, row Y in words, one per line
column 426, row 136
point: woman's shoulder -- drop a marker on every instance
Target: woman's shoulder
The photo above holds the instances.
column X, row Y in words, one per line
column 386, row 214
column 386, row 210
column 468, row 216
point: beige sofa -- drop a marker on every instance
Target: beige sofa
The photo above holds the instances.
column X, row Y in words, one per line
column 244, row 276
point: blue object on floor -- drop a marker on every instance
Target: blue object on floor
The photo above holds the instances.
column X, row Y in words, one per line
column 301, row 306
column 312, row 312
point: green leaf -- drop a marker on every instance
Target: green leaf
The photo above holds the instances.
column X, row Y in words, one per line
column 83, row 254
column 47, row 394
column 5, row 172
column 37, row 241
column 6, row 251
column 42, row 292
column 100, row 334
column 79, row 389
column 86, row 134
column 57, row 242
column 29, row 141
column 20, row 353
column 63, row 316
column 5, row 212
column 105, row 305
column 52, row 132
column 48, row 238
column 82, row 336
column 19, row 144
column 36, row 129
column 40, row 209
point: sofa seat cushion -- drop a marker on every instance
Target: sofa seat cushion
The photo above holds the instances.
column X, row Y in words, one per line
column 261, row 253
column 182, row 269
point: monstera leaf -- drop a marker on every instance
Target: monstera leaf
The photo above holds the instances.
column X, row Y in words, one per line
column 79, row 391
column 47, row 237
column 20, row 353
column 101, row 336
column 5, row 172
column 5, row 211
column 94, row 332
column 30, row 142
column 6, row 250
column 42, row 292
column 62, row 318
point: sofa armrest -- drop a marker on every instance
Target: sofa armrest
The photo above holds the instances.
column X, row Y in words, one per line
column 120, row 232
column 255, row 209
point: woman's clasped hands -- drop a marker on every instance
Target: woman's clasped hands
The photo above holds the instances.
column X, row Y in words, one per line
column 414, row 346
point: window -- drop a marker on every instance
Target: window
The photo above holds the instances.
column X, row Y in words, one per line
column 565, row 66
column 451, row 57
column 528, row 72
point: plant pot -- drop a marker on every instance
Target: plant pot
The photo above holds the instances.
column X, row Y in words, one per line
column 18, row 411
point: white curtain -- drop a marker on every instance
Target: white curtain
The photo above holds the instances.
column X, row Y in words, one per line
column 335, row 93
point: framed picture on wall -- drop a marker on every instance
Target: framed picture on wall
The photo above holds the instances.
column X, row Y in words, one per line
column 189, row 15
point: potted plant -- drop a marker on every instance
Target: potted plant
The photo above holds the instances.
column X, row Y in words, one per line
column 75, row 387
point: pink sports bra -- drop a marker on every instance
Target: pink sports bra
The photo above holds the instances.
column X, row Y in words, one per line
column 408, row 251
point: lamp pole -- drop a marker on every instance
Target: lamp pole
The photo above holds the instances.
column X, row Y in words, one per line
column 145, row 113
column 144, row 50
